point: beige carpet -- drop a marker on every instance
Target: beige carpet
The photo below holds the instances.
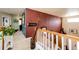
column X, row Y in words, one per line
column 20, row 42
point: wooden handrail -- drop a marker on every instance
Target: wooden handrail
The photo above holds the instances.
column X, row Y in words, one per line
column 53, row 40
column 1, row 29
column 74, row 38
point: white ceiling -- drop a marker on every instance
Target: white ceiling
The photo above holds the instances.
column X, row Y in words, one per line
column 14, row 11
column 53, row 11
column 57, row 11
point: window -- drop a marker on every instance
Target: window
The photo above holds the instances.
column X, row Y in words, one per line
column 70, row 20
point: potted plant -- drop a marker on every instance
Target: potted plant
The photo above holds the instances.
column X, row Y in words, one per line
column 8, row 36
column 8, row 31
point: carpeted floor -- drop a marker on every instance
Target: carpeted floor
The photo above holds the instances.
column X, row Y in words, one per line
column 20, row 42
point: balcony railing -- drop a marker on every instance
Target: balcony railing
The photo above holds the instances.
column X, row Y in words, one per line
column 49, row 40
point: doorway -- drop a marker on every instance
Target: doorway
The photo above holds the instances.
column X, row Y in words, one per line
column 20, row 24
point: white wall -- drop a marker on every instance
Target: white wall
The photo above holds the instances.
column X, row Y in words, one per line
column 4, row 14
column 16, row 25
column 68, row 26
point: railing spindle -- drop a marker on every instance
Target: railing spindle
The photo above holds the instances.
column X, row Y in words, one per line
column 52, row 41
column 70, row 44
column 56, row 42
column 62, row 42
column 44, row 39
column 48, row 41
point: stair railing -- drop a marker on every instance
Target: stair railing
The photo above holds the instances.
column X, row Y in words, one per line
column 49, row 40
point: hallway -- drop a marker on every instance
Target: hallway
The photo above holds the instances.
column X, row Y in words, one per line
column 20, row 42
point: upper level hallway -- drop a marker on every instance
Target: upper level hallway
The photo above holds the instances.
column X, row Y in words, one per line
column 60, row 20
column 19, row 28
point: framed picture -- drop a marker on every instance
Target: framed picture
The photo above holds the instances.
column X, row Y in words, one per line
column 6, row 21
column 73, row 31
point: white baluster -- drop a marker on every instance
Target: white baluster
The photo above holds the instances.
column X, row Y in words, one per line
column 38, row 39
column 77, row 45
column 39, row 36
column 56, row 42
column 70, row 44
column 43, row 40
column 52, row 41
column 62, row 42
column 48, row 41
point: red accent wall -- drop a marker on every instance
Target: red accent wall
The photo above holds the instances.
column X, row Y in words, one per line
column 31, row 17
column 42, row 19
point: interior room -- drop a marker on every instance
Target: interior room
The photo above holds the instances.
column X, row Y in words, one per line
column 39, row 29
column 62, row 21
